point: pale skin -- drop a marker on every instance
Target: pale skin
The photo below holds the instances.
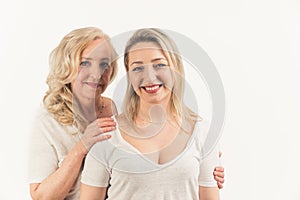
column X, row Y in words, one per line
column 152, row 85
column 59, row 183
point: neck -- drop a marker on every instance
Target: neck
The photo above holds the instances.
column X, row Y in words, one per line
column 87, row 108
column 149, row 112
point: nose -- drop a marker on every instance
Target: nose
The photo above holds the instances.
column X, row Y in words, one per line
column 149, row 73
column 96, row 71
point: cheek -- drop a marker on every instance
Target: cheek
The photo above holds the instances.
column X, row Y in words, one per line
column 82, row 74
column 135, row 80
column 105, row 78
column 74, row 87
column 167, row 77
column 76, row 83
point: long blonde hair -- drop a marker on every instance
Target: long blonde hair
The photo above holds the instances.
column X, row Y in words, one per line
column 64, row 64
column 170, row 50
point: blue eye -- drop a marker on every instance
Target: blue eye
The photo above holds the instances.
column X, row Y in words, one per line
column 104, row 65
column 138, row 69
column 160, row 65
column 85, row 64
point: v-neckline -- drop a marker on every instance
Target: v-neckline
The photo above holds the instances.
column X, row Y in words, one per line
column 187, row 147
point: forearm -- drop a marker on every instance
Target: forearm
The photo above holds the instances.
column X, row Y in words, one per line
column 208, row 193
column 58, row 184
column 92, row 193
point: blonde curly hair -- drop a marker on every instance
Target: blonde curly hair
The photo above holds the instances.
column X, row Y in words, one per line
column 64, row 64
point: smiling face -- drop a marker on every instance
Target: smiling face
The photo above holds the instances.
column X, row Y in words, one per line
column 150, row 73
column 94, row 71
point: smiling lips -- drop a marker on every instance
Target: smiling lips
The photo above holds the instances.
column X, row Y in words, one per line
column 150, row 89
column 93, row 85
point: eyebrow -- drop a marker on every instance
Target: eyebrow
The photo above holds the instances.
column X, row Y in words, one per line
column 136, row 62
column 157, row 59
column 102, row 59
column 153, row 60
column 85, row 58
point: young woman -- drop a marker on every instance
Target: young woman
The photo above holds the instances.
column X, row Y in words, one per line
column 155, row 153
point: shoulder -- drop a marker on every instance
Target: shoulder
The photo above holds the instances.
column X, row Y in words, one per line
column 202, row 123
column 109, row 102
column 42, row 115
column 207, row 138
column 108, row 106
column 107, row 99
column 201, row 129
column 44, row 122
column 195, row 126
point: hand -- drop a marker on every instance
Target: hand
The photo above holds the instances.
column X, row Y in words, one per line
column 219, row 176
column 94, row 132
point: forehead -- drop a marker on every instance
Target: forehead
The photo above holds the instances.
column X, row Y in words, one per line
column 98, row 48
column 144, row 50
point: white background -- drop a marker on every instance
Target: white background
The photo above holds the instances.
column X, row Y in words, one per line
column 255, row 45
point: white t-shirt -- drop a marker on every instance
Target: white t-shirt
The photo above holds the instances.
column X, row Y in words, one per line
column 134, row 176
column 50, row 142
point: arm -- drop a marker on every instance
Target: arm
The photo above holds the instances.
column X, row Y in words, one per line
column 95, row 175
column 208, row 193
column 58, row 184
column 208, row 189
column 92, row 193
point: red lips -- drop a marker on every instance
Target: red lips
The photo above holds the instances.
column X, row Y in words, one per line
column 150, row 89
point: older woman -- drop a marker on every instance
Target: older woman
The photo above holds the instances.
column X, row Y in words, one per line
column 74, row 114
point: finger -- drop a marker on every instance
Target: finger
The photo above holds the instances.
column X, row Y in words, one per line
column 100, row 138
column 105, row 119
column 220, row 185
column 105, row 129
column 100, row 121
column 219, row 174
column 219, row 179
column 219, row 169
column 106, row 123
column 94, row 132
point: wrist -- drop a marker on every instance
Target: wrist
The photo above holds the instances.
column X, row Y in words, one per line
column 82, row 148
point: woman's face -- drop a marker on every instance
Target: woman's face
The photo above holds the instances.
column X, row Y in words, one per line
column 150, row 73
column 94, row 71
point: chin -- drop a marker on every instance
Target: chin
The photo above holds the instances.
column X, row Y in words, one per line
column 90, row 95
column 155, row 101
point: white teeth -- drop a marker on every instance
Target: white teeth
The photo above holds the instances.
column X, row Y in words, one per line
column 152, row 88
